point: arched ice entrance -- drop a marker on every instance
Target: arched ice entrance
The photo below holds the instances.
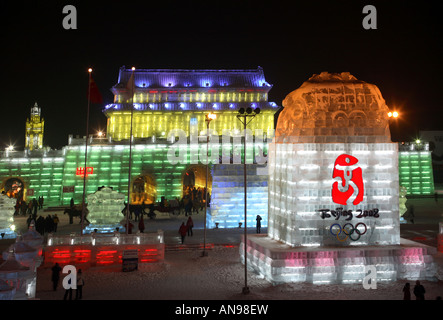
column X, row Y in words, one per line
column 194, row 182
column 14, row 188
column 144, row 190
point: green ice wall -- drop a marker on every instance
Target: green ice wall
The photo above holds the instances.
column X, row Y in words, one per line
column 42, row 174
column 415, row 172
column 111, row 168
column 47, row 175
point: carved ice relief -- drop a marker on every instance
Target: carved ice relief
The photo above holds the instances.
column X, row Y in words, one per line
column 334, row 101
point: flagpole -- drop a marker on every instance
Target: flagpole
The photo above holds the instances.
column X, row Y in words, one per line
column 86, row 152
column 130, row 151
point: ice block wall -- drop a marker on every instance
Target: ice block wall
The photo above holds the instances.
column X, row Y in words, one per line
column 111, row 167
column 415, row 170
column 300, row 192
column 227, row 202
column 41, row 174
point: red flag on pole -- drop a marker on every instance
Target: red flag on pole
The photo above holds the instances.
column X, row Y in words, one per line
column 94, row 94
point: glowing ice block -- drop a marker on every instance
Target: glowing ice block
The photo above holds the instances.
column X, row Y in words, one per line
column 227, row 207
column 279, row 263
column 105, row 210
column 302, row 210
column 7, row 226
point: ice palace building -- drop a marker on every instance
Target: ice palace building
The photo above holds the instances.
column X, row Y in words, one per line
column 159, row 102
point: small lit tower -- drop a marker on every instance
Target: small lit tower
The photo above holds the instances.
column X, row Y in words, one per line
column 34, row 129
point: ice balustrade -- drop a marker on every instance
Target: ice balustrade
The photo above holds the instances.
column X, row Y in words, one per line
column 98, row 249
column 97, row 239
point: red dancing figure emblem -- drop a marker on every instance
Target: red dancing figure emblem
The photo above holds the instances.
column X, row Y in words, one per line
column 349, row 180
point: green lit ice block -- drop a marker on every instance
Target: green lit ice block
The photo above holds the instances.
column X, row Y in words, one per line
column 415, row 172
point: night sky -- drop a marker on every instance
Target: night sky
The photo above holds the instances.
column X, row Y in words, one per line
column 292, row 40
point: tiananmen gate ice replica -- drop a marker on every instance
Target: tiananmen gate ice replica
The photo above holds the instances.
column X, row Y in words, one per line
column 160, row 101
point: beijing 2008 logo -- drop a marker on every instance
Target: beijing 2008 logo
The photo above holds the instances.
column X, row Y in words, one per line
column 349, row 180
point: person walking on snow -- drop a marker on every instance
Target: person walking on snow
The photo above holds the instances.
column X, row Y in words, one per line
column 141, row 224
column 129, row 227
column 56, row 221
column 183, row 231
column 189, row 226
column 80, row 284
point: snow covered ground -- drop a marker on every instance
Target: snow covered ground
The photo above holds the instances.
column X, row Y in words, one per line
column 186, row 275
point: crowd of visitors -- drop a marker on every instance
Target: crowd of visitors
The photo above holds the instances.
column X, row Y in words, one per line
column 45, row 225
column 196, row 194
column 31, row 207
column 42, row 224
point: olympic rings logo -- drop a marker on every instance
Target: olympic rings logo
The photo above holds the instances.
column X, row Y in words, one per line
column 349, row 230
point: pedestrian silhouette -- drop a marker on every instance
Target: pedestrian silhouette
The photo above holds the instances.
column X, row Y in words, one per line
column 68, row 292
column 419, row 291
column 407, row 291
column 141, row 224
column 411, row 214
column 182, row 231
column 55, row 278
column 258, row 226
column 189, row 226
column 80, row 284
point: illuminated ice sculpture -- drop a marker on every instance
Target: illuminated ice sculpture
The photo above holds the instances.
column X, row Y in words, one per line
column 333, row 152
column 334, row 190
column 402, row 203
column 105, row 211
column 7, row 209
